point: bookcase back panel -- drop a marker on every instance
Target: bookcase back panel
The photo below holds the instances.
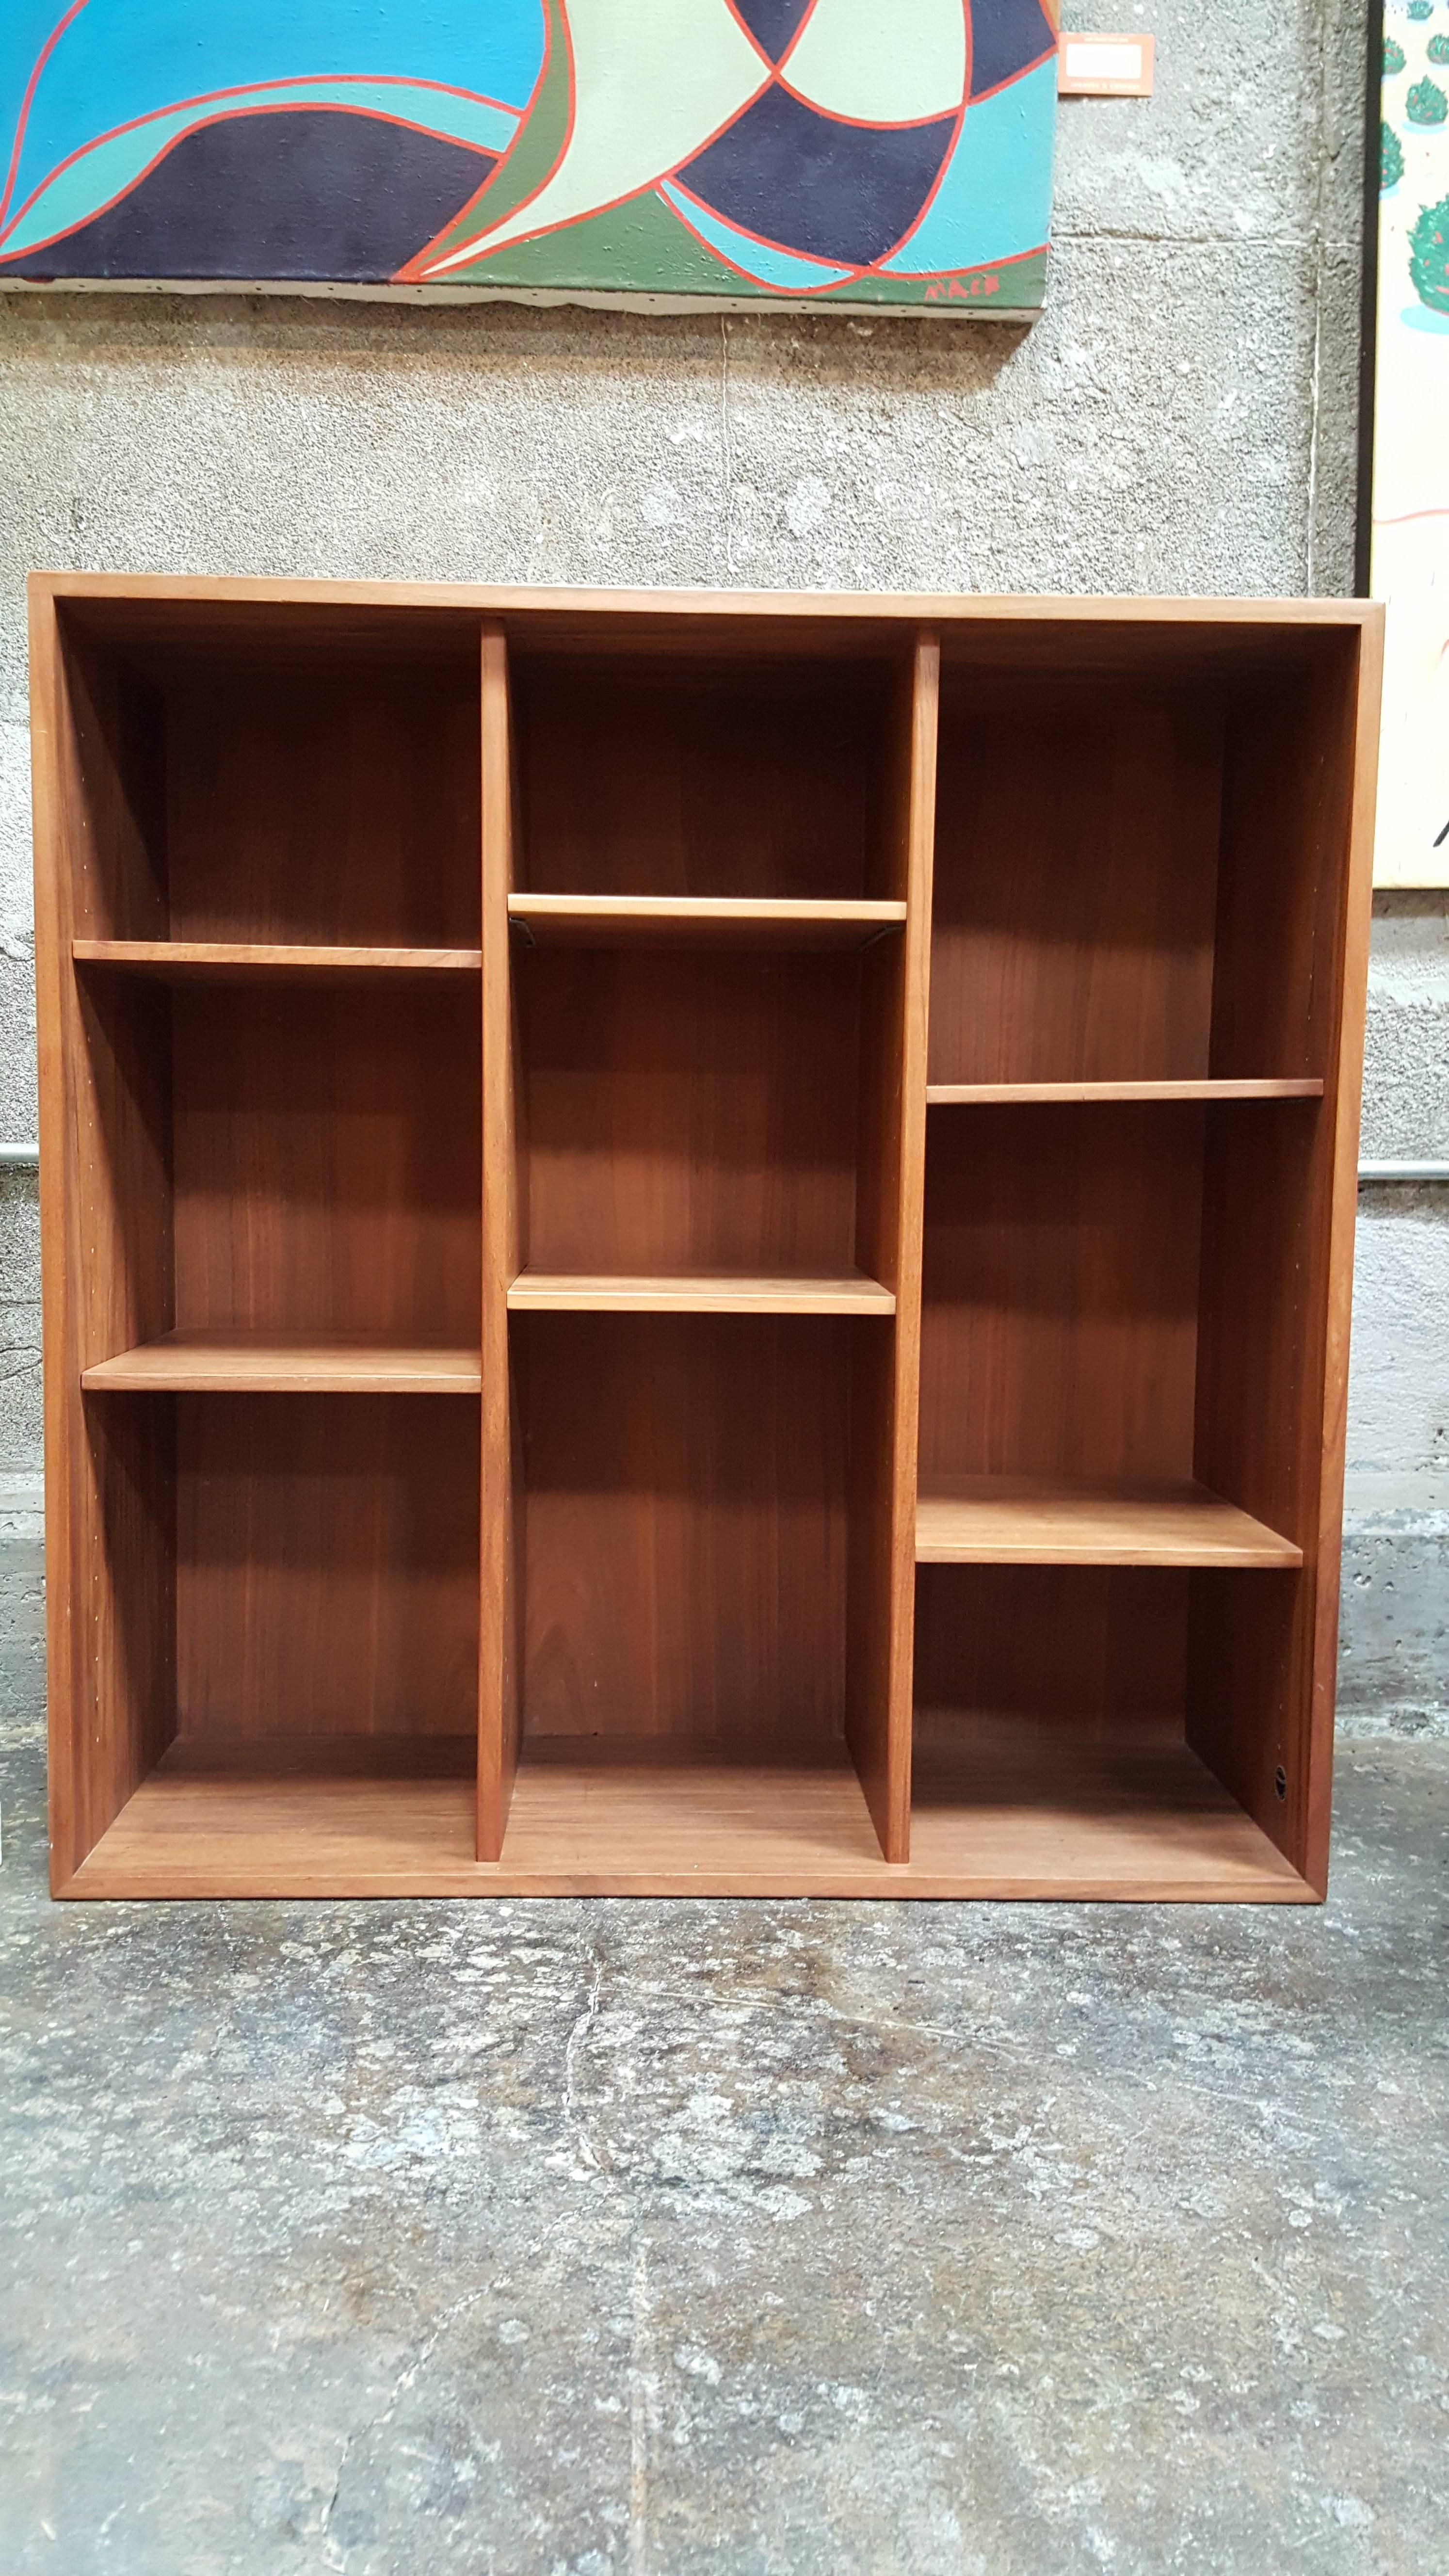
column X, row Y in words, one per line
column 326, row 1566
column 1075, row 880
column 1261, row 1337
column 690, row 1111
column 703, row 777
column 1060, row 1289
column 685, row 1529
column 340, row 807
column 312, row 796
column 327, row 1161
column 1104, row 1647
column 1282, row 909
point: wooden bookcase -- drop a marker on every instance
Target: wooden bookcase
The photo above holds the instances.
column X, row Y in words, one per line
column 695, row 1242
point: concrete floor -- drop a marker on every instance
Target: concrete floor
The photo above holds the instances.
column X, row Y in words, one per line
column 774, row 2240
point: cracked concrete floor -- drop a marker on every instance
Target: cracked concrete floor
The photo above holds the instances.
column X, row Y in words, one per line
column 773, row 2240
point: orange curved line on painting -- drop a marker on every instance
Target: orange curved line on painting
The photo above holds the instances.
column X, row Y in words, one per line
column 864, row 124
column 244, row 89
column 28, row 101
column 868, row 124
column 928, row 276
column 850, row 270
column 234, row 116
column 414, row 270
column 1404, row 516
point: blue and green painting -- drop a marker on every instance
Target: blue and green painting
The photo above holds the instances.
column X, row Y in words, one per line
column 858, row 153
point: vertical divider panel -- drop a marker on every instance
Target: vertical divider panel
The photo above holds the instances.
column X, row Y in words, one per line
column 500, row 1608
column 105, row 1278
column 887, row 1357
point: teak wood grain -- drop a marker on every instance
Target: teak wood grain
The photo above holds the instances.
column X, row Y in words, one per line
column 526, row 999
column 1060, row 1313
column 686, row 1526
column 328, row 801
column 326, row 1563
column 1075, row 874
column 695, row 1111
column 708, row 778
column 325, row 1159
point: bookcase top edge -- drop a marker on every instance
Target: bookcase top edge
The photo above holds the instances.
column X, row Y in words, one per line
column 893, row 608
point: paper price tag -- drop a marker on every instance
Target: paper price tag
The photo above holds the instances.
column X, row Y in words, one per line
column 1105, row 66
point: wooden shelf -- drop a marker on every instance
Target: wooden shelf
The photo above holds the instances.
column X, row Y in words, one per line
column 1019, row 1520
column 283, row 1364
column 223, row 961
column 704, row 1293
column 1012, row 1811
column 1028, row 1807
column 944, row 1095
column 693, row 921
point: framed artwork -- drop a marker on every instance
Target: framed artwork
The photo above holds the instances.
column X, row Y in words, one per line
column 664, row 153
column 1409, row 564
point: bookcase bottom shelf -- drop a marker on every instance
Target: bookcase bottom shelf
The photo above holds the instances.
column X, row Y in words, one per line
column 1011, row 1810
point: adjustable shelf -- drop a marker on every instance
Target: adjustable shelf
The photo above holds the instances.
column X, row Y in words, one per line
column 212, row 1363
column 1040, row 1520
column 220, row 961
column 706, row 1293
column 943, row 1095
column 540, row 1002
column 697, row 921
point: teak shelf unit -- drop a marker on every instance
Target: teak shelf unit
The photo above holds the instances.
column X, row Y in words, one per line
column 695, row 1242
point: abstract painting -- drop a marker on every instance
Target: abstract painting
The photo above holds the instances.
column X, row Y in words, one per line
column 858, row 153
column 1410, row 564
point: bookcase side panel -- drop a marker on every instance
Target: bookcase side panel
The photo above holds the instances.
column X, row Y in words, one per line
column 500, row 1616
column 106, row 1264
column 1279, row 1192
column 1343, row 1105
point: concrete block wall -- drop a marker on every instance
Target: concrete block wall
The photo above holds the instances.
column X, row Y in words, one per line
column 1394, row 1659
column 1181, row 419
